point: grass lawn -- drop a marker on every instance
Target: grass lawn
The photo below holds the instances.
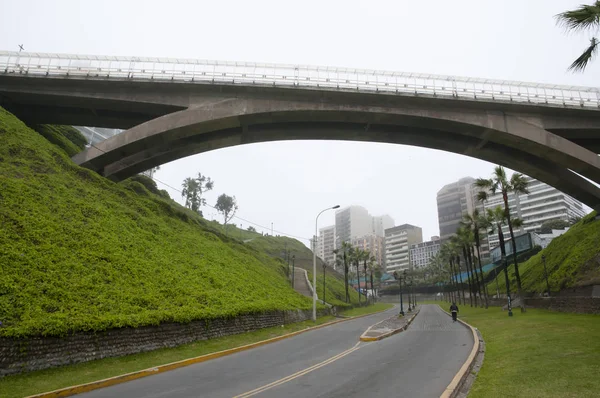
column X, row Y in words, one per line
column 536, row 354
column 53, row 379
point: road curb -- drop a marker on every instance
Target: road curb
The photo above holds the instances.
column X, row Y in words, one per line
column 388, row 334
column 95, row 385
column 454, row 387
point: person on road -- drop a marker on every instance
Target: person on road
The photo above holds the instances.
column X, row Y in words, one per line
column 454, row 311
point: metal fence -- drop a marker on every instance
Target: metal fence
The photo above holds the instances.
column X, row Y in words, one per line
column 295, row 76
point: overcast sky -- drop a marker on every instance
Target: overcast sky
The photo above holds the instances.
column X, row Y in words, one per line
column 288, row 183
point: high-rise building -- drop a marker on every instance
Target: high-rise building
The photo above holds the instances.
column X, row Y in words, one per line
column 374, row 244
column 381, row 223
column 352, row 222
column 397, row 243
column 453, row 202
column 422, row 253
column 326, row 245
column 541, row 204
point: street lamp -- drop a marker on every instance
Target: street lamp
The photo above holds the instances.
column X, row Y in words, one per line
column 314, row 315
column 324, row 267
column 398, row 277
column 293, row 270
column 546, row 274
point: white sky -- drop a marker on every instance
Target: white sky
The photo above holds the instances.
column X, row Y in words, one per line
column 288, row 183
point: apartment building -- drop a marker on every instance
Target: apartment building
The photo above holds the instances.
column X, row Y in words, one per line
column 422, row 253
column 397, row 246
column 542, row 203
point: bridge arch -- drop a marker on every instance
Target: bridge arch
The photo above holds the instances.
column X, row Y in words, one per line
column 500, row 137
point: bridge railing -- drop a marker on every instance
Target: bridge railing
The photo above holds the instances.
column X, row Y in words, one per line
column 296, row 76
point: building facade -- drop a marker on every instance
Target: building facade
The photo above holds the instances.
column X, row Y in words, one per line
column 453, row 202
column 352, row 222
column 422, row 253
column 326, row 245
column 381, row 223
column 374, row 244
column 541, row 204
column 397, row 246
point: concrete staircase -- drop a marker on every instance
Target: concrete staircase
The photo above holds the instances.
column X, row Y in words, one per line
column 301, row 284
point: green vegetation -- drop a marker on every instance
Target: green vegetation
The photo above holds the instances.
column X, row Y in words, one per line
column 572, row 260
column 65, row 137
column 335, row 292
column 277, row 246
column 80, row 253
column 584, row 18
column 537, row 354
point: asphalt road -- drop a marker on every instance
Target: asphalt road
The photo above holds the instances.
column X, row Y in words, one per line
column 328, row 362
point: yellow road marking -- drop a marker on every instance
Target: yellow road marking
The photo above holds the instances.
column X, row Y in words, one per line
column 299, row 373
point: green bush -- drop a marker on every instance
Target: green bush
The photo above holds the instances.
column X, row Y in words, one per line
column 147, row 182
column 81, row 253
column 55, row 135
column 73, row 135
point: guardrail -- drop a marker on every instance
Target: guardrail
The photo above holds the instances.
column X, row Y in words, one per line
column 295, row 76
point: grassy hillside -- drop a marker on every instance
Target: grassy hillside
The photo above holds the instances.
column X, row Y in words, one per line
column 79, row 253
column 334, row 287
column 572, row 260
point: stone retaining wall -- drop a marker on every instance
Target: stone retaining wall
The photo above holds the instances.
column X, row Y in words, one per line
column 581, row 305
column 35, row 353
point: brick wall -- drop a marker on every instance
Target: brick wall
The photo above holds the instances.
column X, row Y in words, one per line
column 34, row 353
column 581, row 305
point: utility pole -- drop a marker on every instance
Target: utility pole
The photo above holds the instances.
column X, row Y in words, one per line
column 293, row 269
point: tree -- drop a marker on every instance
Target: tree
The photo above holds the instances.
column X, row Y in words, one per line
column 460, row 240
column 497, row 220
column 478, row 223
column 499, row 183
column 190, row 193
column 345, row 251
column 227, row 206
column 549, row 225
column 466, row 239
column 586, row 17
column 251, row 229
column 193, row 188
column 373, row 269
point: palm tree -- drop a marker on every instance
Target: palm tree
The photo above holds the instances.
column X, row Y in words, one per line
column 477, row 223
column 455, row 263
column 497, row 220
column 448, row 256
column 460, row 247
column 465, row 236
column 585, row 17
column 345, row 249
column 499, row 183
column 373, row 267
column 359, row 255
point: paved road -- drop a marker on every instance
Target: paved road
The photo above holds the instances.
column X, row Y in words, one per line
column 328, row 362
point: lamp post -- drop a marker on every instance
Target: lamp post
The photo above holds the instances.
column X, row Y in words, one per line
column 546, row 274
column 314, row 315
column 398, row 277
column 324, row 266
column 293, row 269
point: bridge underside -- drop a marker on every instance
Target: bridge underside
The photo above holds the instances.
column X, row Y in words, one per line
column 169, row 122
